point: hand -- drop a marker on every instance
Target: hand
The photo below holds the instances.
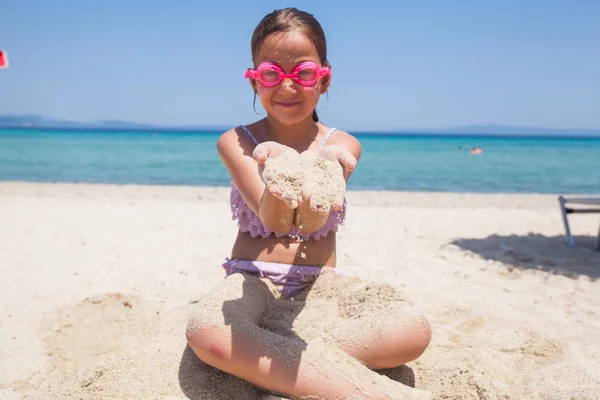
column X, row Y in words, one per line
column 344, row 157
column 280, row 170
column 326, row 169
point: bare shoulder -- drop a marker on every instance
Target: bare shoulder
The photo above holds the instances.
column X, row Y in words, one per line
column 348, row 141
column 233, row 143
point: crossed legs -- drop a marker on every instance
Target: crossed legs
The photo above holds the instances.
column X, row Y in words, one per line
column 225, row 332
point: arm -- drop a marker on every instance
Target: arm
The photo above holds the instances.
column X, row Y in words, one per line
column 275, row 214
column 235, row 151
column 346, row 150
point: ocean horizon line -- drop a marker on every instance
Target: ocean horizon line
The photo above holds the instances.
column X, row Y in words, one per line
column 42, row 122
column 211, row 130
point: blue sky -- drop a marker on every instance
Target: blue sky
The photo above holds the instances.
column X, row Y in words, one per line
column 396, row 64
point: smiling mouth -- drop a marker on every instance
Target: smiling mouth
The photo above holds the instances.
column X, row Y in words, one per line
column 287, row 104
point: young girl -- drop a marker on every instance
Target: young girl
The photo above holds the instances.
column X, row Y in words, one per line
column 289, row 174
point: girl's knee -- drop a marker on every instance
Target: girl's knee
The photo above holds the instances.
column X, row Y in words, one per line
column 218, row 319
column 417, row 337
column 208, row 341
column 406, row 339
column 421, row 339
column 207, row 330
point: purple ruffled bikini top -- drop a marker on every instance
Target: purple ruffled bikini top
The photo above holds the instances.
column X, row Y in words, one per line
column 248, row 221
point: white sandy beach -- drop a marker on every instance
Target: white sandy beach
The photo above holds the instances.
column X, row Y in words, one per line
column 97, row 282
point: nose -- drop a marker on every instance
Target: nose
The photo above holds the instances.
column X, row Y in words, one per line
column 287, row 82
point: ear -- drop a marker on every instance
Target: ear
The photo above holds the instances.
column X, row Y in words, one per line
column 253, row 84
column 325, row 82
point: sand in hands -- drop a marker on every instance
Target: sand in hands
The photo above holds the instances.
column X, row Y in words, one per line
column 314, row 175
column 324, row 183
column 282, row 173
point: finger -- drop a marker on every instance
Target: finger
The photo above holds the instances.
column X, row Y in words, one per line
column 261, row 153
column 338, row 202
column 306, row 195
column 292, row 203
column 265, row 150
column 275, row 190
column 319, row 206
column 289, row 200
column 347, row 160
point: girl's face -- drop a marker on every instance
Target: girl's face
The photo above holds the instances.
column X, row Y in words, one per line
column 289, row 102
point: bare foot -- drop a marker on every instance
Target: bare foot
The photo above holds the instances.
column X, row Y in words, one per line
column 280, row 169
column 325, row 177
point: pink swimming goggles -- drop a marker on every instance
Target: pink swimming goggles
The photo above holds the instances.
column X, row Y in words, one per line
column 307, row 73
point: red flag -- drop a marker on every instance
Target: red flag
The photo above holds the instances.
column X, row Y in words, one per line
column 3, row 59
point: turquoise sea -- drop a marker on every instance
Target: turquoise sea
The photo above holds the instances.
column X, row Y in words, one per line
column 389, row 162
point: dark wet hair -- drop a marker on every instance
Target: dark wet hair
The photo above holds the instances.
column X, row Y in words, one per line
column 288, row 20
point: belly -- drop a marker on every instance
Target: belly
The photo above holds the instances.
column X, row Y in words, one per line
column 285, row 250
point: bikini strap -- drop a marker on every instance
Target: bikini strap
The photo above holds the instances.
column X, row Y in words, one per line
column 329, row 132
column 249, row 134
